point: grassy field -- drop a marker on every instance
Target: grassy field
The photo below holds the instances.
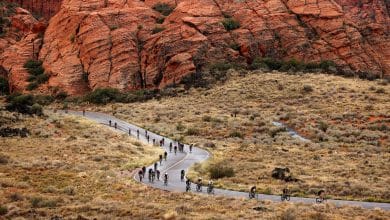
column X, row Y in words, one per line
column 75, row 169
column 346, row 120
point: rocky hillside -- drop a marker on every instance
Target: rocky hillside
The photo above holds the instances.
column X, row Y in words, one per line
column 133, row 44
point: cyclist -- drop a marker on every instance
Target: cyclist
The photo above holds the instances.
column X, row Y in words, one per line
column 199, row 185
column 321, row 196
column 140, row 175
column 252, row 192
column 210, row 187
column 150, row 174
column 188, row 185
column 170, row 147
column 182, row 174
column 175, row 149
column 166, row 179
column 155, row 166
column 165, row 156
column 160, row 158
column 153, row 175
column 158, row 174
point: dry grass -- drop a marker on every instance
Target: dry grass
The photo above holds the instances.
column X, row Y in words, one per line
column 347, row 120
column 76, row 169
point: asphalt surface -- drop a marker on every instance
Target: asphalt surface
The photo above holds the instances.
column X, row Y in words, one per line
column 183, row 161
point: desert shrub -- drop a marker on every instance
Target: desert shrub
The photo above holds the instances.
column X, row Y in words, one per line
column 206, row 118
column 69, row 190
column 236, row 134
column 160, row 20
column 163, row 8
column 235, row 46
column 14, row 197
column 20, row 103
column 157, row 30
column 3, row 210
column 36, row 109
column 209, row 145
column 4, row 159
column 192, row 131
column 4, row 86
column 39, row 202
column 307, row 88
column 220, row 170
column 323, row 126
column 37, row 74
column 380, row 90
column 103, row 96
column 289, row 214
column 230, row 24
column 293, row 65
column 180, row 127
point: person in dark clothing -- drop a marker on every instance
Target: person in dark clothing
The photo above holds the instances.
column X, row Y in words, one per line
column 165, row 156
column 170, row 147
column 191, row 148
column 150, row 174
column 182, row 175
column 158, row 174
column 161, row 158
column 175, row 149
column 155, row 166
column 137, row 133
column 109, row 123
column 188, row 185
column 140, row 175
column 143, row 171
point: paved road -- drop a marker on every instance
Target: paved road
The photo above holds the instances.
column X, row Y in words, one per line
column 182, row 161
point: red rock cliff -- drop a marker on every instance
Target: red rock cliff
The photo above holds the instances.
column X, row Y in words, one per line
column 44, row 8
column 115, row 43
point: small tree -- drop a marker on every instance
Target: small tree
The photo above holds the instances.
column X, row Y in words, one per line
column 230, row 24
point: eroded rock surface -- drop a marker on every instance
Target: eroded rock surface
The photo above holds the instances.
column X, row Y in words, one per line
column 117, row 43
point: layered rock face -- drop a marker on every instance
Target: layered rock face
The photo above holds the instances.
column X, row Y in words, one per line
column 44, row 8
column 120, row 43
column 20, row 42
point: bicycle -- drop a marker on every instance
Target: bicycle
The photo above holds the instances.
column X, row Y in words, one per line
column 284, row 197
column 199, row 187
column 210, row 189
column 253, row 195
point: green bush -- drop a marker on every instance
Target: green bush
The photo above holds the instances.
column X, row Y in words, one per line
column 192, row 132
column 4, row 86
column 103, row 96
column 37, row 74
column 220, row 170
column 160, row 20
column 236, row 134
column 3, row 210
column 25, row 104
column 163, row 8
column 157, row 30
column 230, row 24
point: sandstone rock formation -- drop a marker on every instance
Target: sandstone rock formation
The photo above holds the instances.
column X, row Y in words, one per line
column 44, row 8
column 120, row 43
column 20, row 43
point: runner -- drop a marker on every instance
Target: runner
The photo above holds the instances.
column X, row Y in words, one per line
column 161, row 158
column 143, row 171
column 175, row 149
column 170, row 147
column 191, row 148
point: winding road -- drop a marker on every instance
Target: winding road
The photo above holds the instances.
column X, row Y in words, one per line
column 183, row 161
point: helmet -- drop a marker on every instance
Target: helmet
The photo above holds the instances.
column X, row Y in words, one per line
column 166, row 173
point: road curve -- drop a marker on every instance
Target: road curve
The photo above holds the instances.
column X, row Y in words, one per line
column 183, row 161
